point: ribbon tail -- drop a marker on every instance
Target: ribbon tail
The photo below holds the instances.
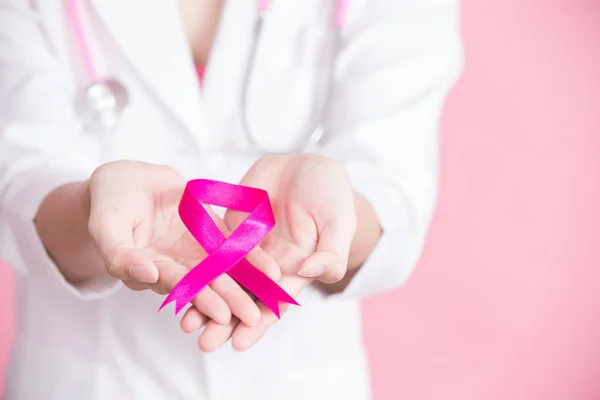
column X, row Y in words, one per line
column 261, row 285
column 272, row 300
column 170, row 298
column 185, row 291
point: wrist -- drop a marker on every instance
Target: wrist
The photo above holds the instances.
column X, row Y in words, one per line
column 61, row 223
column 368, row 232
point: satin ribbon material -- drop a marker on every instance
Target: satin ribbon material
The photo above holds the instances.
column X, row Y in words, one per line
column 227, row 255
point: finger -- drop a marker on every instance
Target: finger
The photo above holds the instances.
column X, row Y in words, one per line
column 330, row 262
column 216, row 335
column 127, row 263
column 246, row 336
column 239, row 302
column 135, row 286
column 264, row 262
column 287, row 256
column 138, row 286
column 192, row 320
column 208, row 302
column 111, row 225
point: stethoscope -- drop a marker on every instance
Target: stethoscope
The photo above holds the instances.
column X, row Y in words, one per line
column 100, row 104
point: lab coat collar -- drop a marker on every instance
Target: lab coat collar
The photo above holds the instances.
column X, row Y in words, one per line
column 162, row 59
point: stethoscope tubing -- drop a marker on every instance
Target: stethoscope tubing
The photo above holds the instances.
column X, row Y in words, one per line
column 74, row 14
column 313, row 129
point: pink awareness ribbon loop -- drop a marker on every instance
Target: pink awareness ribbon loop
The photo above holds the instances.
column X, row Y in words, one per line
column 226, row 255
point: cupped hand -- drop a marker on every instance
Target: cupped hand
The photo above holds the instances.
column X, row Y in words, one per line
column 135, row 223
column 313, row 203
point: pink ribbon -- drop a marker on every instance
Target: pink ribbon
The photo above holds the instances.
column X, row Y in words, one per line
column 227, row 255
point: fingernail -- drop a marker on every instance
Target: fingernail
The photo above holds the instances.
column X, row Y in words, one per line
column 142, row 273
column 312, row 271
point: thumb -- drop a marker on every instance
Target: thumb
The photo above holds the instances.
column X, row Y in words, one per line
column 113, row 236
column 330, row 262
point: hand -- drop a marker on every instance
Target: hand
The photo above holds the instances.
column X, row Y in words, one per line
column 135, row 223
column 315, row 218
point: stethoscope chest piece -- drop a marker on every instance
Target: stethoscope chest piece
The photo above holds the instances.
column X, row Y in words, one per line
column 101, row 104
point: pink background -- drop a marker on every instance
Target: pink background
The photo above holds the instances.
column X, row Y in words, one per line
column 504, row 304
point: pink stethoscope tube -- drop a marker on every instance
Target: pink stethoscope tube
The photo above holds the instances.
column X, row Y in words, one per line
column 74, row 15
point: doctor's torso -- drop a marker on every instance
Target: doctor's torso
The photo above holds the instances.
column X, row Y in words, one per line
column 267, row 88
column 118, row 347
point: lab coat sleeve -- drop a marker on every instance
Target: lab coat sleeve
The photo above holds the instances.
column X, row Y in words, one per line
column 397, row 63
column 41, row 147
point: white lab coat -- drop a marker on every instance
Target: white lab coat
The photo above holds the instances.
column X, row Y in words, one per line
column 395, row 64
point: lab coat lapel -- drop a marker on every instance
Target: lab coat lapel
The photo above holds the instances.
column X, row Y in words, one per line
column 226, row 72
column 150, row 37
column 238, row 75
column 281, row 100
